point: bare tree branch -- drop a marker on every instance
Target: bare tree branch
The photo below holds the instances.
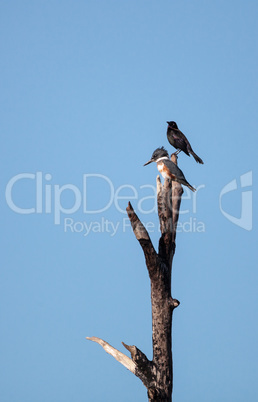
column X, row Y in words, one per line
column 119, row 356
column 143, row 237
column 145, row 369
column 138, row 364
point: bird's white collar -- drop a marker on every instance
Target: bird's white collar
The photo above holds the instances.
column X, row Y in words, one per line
column 163, row 157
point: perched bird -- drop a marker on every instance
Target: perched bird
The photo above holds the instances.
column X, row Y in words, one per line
column 178, row 140
column 168, row 168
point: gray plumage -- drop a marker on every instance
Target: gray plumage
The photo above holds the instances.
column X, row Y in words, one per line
column 168, row 168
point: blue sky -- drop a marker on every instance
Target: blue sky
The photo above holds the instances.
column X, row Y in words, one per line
column 86, row 89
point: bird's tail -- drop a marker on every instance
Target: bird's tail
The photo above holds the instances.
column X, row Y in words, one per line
column 196, row 157
column 189, row 185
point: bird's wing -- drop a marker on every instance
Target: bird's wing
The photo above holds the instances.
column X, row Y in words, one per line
column 174, row 169
column 180, row 139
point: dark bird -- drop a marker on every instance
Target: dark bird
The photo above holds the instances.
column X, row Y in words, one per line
column 168, row 168
column 178, row 140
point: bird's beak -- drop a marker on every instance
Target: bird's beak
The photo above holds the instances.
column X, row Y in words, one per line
column 167, row 122
column 147, row 163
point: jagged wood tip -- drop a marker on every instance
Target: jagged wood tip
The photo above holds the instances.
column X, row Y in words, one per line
column 128, row 347
column 119, row 356
column 138, row 228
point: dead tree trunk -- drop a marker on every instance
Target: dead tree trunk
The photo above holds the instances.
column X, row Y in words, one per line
column 156, row 375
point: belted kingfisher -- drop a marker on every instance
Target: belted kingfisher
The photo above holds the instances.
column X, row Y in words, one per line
column 178, row 140
column 168, row 168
